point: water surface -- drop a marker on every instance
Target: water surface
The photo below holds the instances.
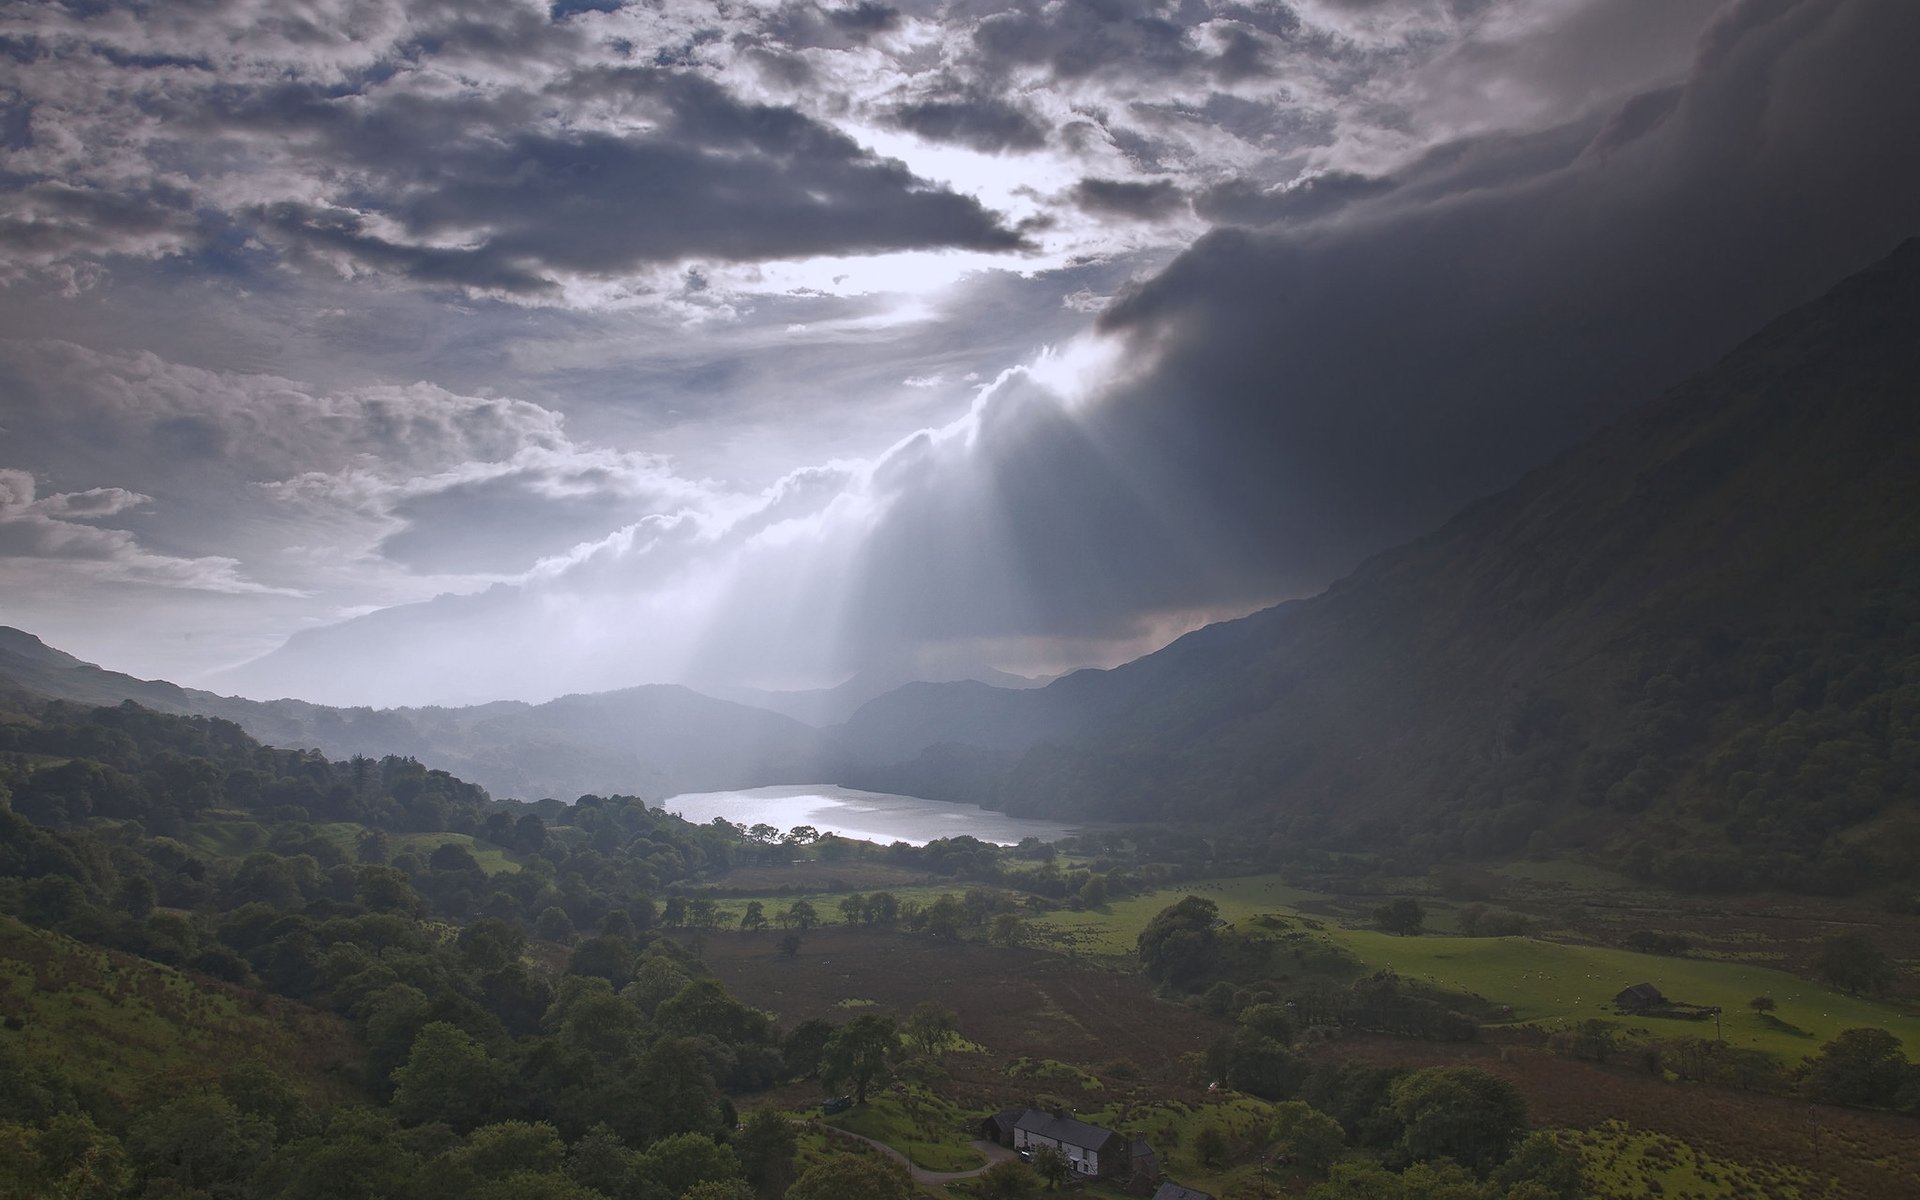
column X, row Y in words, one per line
column 871, row 816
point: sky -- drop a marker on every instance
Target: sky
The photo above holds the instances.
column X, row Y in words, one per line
column 397, row 352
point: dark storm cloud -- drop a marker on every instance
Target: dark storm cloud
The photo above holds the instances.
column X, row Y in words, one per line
column 58, row 218
column 541, row 166
column 717, row 178
column 1128, row 200
column 1315, row 395
column 804, row 25
column 503, row 523
column 970, row 117
column 1240, row 202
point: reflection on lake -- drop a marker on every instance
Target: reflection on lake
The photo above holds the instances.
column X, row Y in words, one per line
column 872, row 816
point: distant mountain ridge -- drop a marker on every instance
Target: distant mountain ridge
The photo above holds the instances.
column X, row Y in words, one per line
column 821, row 707
column 653, row 741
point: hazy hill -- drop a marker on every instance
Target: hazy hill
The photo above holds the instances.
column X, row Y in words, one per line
column 821, row 707
column 1691, row 641
column 645, row 741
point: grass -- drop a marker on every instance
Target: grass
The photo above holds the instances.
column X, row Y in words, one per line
column 1553, row 983
column 928, row 1129
column 1173, row 1129
column 1624, row 1163
column 1546, row 983
column 1114, row 928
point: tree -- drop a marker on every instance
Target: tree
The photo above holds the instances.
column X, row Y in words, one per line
column 844, row 1177
column 1314, row 1139
column 1009, row 1180
column 1008, row 931
column 766, row 1145
column 71, row 1158
column 673, row 1164
column 945, row 918
column 198, row 1142
column 1859, row 1066
column 930, row 1026
column 1179, row 945
column 447, row 1077
column 555, row 925
column 601, row 1161
column 1052, row 1166
column 1547, row 1168
column 799, row 915
column 1251, row 1062
column 1402, row 916
column 789, row 944
column 137, row 897
column 603, row 957
column 800, row 1050
column 1363, row 1180
column 858, row 1053
column 755, row 918
column 1461, row 1113
column 496, row 1151
column 1761, row 1004
column 1853, row 964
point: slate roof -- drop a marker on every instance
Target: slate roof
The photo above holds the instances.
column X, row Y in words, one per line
column 1640, row 995
column 1065, row 1130
column 1006, row 1119
column 1173, row 1191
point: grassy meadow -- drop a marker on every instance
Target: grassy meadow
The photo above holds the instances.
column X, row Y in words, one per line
column 1546, row 983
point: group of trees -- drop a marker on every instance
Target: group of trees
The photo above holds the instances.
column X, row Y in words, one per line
column 359, row 889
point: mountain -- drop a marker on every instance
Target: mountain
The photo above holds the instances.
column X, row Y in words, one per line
column 1690, row 645
column 647, row 741
column 821, row 707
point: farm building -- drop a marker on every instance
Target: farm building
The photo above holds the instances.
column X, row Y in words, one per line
column 1173, row 1191
column 1639, row 998
column 1092, row 1152
column 1088, row 1149
column 998, row 1128
column 1143, row 1163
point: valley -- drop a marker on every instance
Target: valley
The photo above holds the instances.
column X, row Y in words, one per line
column 1565, row 852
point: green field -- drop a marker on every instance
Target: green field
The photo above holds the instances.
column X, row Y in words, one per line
column 1114, row 928
column 1552, row 982
column 1547, row 983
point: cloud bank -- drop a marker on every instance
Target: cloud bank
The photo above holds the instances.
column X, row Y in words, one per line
column 560, row 347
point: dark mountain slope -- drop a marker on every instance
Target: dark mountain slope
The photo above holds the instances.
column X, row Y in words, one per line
column 1691, row 640
column 648, row 741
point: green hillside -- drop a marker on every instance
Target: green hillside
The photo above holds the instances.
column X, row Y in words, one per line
column 1690, row 646
column 127, row 1030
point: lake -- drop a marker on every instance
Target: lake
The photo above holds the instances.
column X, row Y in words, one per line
column 870, row 816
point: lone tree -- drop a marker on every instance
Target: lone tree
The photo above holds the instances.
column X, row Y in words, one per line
column 1761, row 1004
column 857, row 1055
column 1403, row 916
column 1179, row 945
column 930, row 1026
